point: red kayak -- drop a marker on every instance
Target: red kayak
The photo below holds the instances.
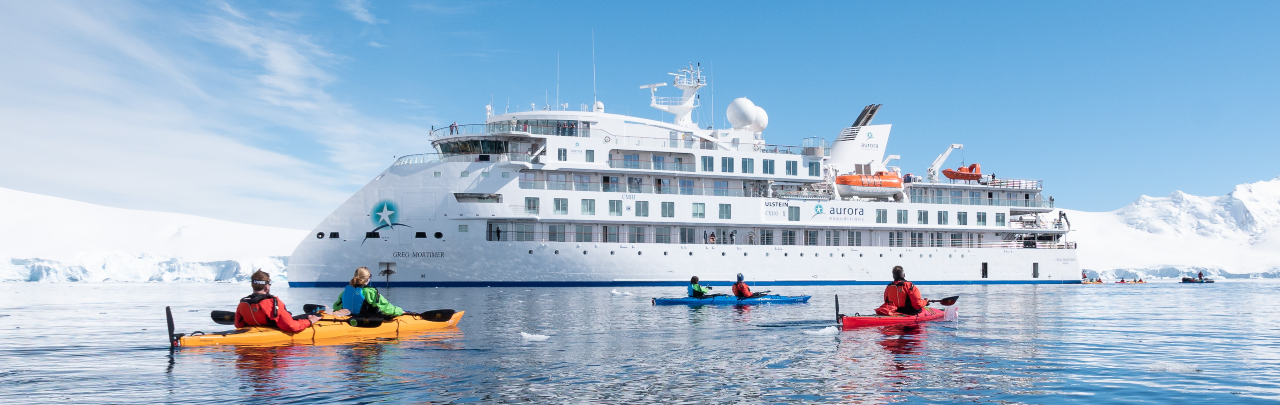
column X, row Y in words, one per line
column 928, row 315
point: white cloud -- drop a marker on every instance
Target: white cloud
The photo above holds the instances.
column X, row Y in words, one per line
column 375, row 44
column 358, row 10
column 102, row 104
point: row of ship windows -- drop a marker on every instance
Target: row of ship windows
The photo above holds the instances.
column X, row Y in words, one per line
column 726, row 236
column 560, row 206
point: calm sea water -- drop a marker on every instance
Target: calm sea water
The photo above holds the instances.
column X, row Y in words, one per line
column 1159, row 342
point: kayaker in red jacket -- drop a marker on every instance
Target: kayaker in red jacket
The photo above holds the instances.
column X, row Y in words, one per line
column 263, row 309
column 901, row 297
column 741, row 290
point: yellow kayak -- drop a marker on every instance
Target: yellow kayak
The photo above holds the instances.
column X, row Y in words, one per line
column 329, row 327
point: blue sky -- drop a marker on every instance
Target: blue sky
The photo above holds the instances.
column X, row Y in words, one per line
column 274, row 113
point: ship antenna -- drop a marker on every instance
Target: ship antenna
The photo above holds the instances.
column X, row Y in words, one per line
column 557, row 79
column 593, row 68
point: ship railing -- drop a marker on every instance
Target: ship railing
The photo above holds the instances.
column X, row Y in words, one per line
column 687, row 141
column 643, row 188
column 814, row 195
column 651, row 165
column 995, row 202
column 524, row 210
column 666, row 101
column 454, row 157
column 508, row 127
column 670, row 234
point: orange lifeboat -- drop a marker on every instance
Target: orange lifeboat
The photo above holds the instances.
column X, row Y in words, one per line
column 881, row 184
column 973, row 172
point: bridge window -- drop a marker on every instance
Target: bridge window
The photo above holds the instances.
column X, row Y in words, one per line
column 981, row 219
column 793, row 168
column 882, row 216
column 708, row 164
column 748, row 165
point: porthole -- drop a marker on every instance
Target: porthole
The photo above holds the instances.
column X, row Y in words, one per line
column 721, row 253
column 439, row 235
column 899, row 254
column 922, row 255
column 766, row 255
column 584, row 252
column 664, row 253
column 639, row 253
column 842, row 255
column 834, row 255
column 949, row 257
column 530, row 252
column 610, row 252
column 882, row 255
column 785, row 254
column 860, row 255
column 320, row 235
column 557, row 252
column 690, row 253
column 802, row 255
column 931, row 255
column 961, row 256
column 744, row 254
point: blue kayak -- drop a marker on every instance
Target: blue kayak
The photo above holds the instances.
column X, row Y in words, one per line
column 731, row 300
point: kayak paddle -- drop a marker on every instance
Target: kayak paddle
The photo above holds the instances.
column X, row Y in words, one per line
column 949, row 301
column 173, row 339
column 223, row 317
column 439, row 315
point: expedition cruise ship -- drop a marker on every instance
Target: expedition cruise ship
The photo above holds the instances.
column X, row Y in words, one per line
column 587, row 198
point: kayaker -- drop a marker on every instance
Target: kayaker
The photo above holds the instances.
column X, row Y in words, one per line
column 1202, row 276
column 364, row 301
column 263, row 309
column 741, row 290
column 697, row 290
column 901, row 297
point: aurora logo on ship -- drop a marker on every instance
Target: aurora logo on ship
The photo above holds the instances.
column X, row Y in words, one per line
column 384, row 215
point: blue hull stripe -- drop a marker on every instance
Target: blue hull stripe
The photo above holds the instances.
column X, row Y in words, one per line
column 427, row 284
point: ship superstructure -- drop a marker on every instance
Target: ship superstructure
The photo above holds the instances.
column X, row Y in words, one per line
column 579, row 198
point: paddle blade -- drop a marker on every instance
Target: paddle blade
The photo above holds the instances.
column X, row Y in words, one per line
column 223, row 317
column 439, row 315
column 313, row 308
column 168, row 315
column 949, row 301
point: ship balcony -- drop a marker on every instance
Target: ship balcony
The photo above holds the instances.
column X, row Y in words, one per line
column 651, row 165
column 462, row 157
column 688, row 141
column 1023, row 205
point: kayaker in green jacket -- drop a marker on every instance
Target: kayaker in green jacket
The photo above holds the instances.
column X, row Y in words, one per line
column 364, row 301
column 697, row 290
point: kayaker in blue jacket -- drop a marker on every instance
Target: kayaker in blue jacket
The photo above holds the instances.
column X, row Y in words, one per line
column 364, row 301
column 697, row 290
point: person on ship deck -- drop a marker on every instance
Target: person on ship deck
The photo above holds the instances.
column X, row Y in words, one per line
column 364, row 301
column 263, row 309
column 697, row 290
column 741, row 290
column 901, row 297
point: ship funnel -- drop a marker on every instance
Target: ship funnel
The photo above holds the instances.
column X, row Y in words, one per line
column 860, row 148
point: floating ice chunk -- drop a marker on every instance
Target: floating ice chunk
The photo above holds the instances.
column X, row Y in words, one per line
column 830, row 330
column 1172, row 367
column 615, row 292
column 626, row 293
column 533, row 338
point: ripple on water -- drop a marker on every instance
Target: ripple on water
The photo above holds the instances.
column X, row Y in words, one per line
column 1159, row 342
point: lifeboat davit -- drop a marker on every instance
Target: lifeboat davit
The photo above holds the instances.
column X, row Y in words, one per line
column 881, row 184
column 973, row 172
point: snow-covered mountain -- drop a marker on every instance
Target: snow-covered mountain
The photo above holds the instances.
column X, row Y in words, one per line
column 45, row 238
column 1182, row 234
column 52, row 239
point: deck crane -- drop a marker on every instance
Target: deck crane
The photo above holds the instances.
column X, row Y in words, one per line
column 937, row 163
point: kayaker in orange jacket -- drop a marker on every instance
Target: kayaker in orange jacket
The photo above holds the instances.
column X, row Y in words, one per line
column 263, row 309
column 741, row 290
column 901, row 297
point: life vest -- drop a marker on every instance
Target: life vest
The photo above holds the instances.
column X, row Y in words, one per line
column 741, row 290
column 695, row 291
column 353, row 300
column 902, row 295
column 257, row 310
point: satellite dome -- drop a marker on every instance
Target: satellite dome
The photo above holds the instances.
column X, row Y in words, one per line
column 743, row 114
column 599, row 107
column 761, row 122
